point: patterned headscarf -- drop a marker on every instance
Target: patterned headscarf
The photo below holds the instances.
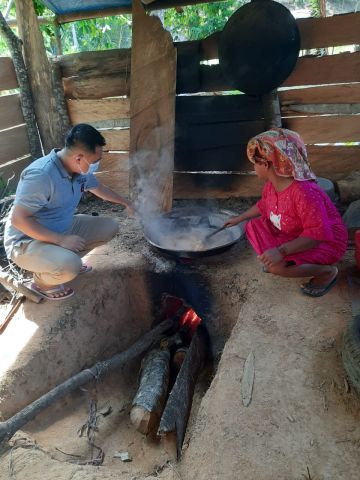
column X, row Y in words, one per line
column 285, row 150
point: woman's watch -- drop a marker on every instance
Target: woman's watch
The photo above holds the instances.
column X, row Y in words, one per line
column 283, row 250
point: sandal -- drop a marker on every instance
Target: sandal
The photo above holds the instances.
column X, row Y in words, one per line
column 85, row 268
column 314, row 291
column 50, row 292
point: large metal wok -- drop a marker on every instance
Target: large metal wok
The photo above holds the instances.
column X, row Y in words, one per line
column 259, row 46
column 182, row 232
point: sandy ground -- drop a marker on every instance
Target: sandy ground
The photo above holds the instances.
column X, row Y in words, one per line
column 303, row 419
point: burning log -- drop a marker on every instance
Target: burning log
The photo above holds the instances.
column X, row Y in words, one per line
column 177, row 410
column 149, row 400
column 13, row 424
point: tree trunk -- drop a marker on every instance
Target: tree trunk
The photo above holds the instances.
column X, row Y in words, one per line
column 48, row 111
column 177, row 410
column 13, row 424
column 149, row 400
column 14, row 44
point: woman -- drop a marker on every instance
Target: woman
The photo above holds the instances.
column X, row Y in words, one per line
column 297, row 231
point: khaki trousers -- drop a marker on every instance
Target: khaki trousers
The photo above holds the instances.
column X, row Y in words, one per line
column 54, row 265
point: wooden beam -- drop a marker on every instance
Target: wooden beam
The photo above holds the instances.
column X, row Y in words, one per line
column 14, row 144
column 329, row 31
column 348, row 93
column 12, row 22
column 117, row 139
column 10, row 111
column 13, row 170
column 98, row 63
column 108, row 12
column 341, row 68
column 114, row 162
column 334, row 162
column 326, row 129
column 48, row 115
column 89, row 111
column 117, row 181
column 97, row 87
column 8, row 79
column 152, row 107
column 197, row 186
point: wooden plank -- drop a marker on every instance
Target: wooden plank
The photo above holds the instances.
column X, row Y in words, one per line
column 13, row 170
column 89, row 111
column 114, row 162
column 216, row 135
column 43, row 87
column 152, row 105
column 97, row 87
column 334, row 162
column 117, row 181
column 8, row 79
column 232, row 158
column 348, row 93
column 117, row 139
column 217, row 108
column 13, row 144
column 197, row 186
column 329, row 31
column 341, row 68
column 10, row 111
column 326, row 129
column 98, row 63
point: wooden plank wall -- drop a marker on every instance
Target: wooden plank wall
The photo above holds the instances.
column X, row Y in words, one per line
column 213, row 128
column 320, row 100
column 97, row 86
column 14, row 144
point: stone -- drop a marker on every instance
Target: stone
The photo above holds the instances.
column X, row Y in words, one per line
column 351, row 218
column 349, row 187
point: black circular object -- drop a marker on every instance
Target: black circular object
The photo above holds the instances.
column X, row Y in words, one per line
column 259, row 47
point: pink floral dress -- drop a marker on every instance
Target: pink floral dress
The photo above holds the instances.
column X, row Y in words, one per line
column 301, row 210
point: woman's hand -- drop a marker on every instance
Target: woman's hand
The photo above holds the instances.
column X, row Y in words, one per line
column 233, row 221
column 271, row 257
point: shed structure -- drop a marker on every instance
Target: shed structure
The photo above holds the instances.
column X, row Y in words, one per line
column 201, row 126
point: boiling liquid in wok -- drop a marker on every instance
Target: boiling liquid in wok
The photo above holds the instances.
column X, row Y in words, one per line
column 194, row 239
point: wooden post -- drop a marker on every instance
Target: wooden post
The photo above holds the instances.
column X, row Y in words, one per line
column 271, row 108
column 49, row 120
column 27, row 104
column 152, row 113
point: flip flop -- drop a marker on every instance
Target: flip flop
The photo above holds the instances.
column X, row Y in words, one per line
column 85, row 268
column 47, row 294
column 313, row 291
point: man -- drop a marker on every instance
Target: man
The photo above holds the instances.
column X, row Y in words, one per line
column 42, row 234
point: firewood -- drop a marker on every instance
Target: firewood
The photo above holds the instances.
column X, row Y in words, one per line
column 13, row 424
column 10, row 283
column 149, row 400
column 177, row 410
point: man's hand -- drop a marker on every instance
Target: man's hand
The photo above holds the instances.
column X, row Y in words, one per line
column 271, row 257
column 130, row 209
column 72, row 242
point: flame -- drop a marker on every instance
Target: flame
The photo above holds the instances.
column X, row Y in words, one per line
column 190, row 319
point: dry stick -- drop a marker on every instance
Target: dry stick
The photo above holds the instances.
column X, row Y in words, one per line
column 13, row 424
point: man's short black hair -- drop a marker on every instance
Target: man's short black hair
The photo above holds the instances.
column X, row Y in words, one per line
column 85, row 135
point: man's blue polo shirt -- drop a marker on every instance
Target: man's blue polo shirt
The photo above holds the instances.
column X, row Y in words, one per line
column 51, row 193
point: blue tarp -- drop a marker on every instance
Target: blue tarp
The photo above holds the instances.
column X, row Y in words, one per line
column 61, row 7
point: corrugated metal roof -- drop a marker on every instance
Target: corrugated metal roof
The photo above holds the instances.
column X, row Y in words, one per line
column 62, row 7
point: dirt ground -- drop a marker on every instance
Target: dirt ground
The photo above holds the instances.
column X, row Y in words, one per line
column 303, row 418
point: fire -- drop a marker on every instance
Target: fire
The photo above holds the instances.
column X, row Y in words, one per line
column 189, row 318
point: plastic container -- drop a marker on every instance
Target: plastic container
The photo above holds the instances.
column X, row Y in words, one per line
column 357, row 248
